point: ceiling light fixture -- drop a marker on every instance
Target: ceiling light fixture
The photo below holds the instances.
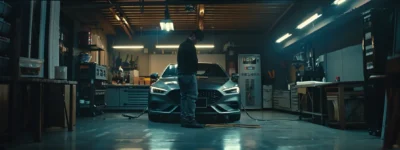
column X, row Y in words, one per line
column 287, row 35
column 338, row 2
column 308, row 21
column 129, row 47
column 204, row 46
column 126, row 22
column 116, row 17
column 200, row 46
column 167, row 24
column 167, row 46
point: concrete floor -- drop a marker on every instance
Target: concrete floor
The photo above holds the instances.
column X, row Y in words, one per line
column 111, row 131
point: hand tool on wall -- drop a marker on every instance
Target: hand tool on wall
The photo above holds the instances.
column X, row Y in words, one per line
column 118, row 61
column 135, row 63
column 126, row 63
column 271, row 74
column 131, row 62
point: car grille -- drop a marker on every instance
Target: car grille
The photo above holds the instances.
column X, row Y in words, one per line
column 212, row 96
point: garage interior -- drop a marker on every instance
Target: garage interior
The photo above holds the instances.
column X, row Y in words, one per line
column 306, row 74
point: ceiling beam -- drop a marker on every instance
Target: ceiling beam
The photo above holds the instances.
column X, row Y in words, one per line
column 121, row 23
column 200, row 16
column 82, row 4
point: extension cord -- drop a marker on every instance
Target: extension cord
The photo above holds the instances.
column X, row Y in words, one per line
column 251, row 117
column 134, row 117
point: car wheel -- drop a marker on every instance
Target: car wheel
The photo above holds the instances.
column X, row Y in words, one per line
column 154, row 118
column 234, row 118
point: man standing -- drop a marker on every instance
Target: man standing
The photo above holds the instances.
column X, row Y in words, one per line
column 187, row 69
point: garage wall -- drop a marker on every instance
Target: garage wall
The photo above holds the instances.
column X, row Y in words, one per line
column 246, row 42
column 346, row 63
column 158, row 62
column 143, row 60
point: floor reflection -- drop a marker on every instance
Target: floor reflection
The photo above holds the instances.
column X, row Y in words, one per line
column 232, row 140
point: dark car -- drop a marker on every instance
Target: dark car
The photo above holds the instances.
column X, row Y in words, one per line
column 218, row 95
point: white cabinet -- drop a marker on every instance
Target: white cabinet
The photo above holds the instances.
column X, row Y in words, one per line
column 267, row 96
column 282, row 100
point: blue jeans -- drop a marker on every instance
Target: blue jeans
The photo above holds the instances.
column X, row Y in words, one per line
column 188, row 90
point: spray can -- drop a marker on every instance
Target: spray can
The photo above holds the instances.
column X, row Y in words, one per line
column 337, row 79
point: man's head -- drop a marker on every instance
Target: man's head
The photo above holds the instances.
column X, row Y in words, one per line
column 196, row 36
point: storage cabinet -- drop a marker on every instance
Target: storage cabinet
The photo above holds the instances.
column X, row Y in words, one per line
column 294, row 99
column 127, row 97
column 267, row 96
column 112, row 97
column 282, row 100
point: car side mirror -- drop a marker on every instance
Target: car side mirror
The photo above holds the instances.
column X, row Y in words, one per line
column 235, row 77
column 154, row 76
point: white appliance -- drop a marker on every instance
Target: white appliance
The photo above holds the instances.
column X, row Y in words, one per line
column 267, row 96
column 250, row 80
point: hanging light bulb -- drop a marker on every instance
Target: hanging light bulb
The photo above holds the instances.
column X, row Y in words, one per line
column 167, row 24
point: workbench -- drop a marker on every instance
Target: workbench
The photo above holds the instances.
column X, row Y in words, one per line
column 340, row 91
column 334, row 93
column 31, row 98
column 306, row 94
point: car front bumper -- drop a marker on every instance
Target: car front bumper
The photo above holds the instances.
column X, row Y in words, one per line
column 225, row 105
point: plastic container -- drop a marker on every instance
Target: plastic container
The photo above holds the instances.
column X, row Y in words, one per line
column 5, row 9
column 30, row 67
column 4, row 66
column 4, row 43
column 4, row 27
column 85, row 57
column 61, row 72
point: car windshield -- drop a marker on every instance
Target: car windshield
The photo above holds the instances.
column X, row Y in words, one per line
column 204, row 70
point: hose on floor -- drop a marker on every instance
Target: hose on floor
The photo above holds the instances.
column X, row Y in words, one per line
column 251, row 117
column 134, row 117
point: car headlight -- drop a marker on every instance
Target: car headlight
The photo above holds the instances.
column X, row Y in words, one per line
column 155, row 90
column 234, row 90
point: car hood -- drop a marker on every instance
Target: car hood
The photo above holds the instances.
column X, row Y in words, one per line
column 171, row 83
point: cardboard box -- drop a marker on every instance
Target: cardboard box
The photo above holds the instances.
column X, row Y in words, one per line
column 135, row 80
column 147, row 81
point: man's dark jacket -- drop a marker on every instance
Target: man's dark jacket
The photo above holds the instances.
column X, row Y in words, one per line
column 187, row 58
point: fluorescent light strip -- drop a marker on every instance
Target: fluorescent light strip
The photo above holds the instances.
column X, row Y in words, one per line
column 116, row 17
column 287, row 35
column 308, row 21
column 338, row 2
column 167, row 46
column 129, row 47
column 202, row 46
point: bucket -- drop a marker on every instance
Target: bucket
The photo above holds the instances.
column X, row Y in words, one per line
column 61, row 72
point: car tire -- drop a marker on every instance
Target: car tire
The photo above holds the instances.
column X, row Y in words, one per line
column 234, row 118
column 154, row 118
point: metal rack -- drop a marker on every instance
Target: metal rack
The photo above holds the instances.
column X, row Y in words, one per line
column 377, row 43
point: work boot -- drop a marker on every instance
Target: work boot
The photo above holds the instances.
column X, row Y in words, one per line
column 192, row 123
